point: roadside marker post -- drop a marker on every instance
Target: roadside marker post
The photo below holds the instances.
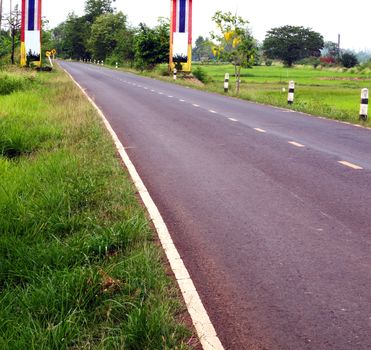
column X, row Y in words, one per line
column 117, row 65
column 364, row 105
column 102, row 63
column 174, row 75
column 226, row 82
column 290, row 97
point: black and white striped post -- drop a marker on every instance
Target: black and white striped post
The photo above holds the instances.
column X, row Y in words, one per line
column 364, row 105
column 174, row 73
column 226, row 82
column 290, row 97
column 102, row 63
column 117, row 65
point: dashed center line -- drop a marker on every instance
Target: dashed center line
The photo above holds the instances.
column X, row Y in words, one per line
column 259, row 130
column 350, row 165
column 296, row 144
column 181, row 100
column 233, row 120
column 195, row 105
column 152, row 90
column 212, row 111
column 160, row 93
column 169, row 96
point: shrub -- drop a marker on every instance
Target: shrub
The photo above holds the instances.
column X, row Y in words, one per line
column 10, row 83
column 268, row 63
column 349, row 60
column 201, row 75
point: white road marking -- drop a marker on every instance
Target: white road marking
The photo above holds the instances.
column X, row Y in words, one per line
column 195, row 105
column 350, row 165
column 201, row 321
column 233, row 120
column 212, row 111
column 160, row 93
column 181, row 100
column 296, row 144
column 259, row 130
column 145, row 88
column 152, row 90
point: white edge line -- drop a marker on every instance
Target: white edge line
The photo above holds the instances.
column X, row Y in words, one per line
column 201, row 321
column 259, row 130
column 350, row 165
column 296, row 144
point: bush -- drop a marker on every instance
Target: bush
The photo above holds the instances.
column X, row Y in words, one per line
column 10, row 83
column 268, row 63
column 201, row 75
column 349, row 60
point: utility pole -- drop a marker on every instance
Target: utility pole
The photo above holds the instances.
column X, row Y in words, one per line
column 1, row 13
column 338, row 46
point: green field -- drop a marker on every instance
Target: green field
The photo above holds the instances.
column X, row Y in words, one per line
column 331, row 93
column 79, row 264
column 326, row 92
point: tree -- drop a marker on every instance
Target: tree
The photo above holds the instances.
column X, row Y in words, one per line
column 291, row 43
column 330, row 49
column 235, row 43
column 203, row 49
column 106, row 32
column 13, row 21
column 152, row 45
column 96, row 8
column 70, row 37
column 349, row 59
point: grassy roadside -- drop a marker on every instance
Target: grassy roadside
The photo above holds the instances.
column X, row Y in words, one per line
column 331, row 93
column 79, row 265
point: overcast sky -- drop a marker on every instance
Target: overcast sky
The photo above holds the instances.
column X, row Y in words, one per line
column 328, row 17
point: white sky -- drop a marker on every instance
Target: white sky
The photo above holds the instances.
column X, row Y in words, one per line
column 328, row 17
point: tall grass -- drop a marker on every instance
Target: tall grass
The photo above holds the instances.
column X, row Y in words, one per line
column 78, row 265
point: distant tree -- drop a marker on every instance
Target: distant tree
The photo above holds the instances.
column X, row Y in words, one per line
column 125, row 50
column 291, row 43
column 13, row 22
column 203, row 49
column 235, row 43
column 106, row 32
column 71, row 37
column 349, row 59
column 330, row 49
column 96, row 8
column 152, row 45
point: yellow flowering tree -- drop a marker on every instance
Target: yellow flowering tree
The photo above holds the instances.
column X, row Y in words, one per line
column 235, row 44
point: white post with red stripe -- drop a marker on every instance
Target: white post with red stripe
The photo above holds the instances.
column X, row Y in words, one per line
column 363, row 111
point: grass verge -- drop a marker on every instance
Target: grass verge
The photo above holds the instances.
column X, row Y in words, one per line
column 79, row 265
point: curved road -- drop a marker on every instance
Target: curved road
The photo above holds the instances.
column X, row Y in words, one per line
column 273, row 229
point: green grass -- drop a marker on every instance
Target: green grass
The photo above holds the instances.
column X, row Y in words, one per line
column 79, row 265
column 329, row 92
column 326, row 92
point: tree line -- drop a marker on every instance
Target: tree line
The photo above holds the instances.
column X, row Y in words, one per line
column 102, row 33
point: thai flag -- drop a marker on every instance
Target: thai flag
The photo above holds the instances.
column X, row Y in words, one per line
column 181, row 16
column 32, row 15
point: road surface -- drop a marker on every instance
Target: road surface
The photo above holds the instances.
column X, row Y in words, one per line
column 269, row 209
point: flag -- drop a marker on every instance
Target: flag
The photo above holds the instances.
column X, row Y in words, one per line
column 181, row 33
column 31, row 32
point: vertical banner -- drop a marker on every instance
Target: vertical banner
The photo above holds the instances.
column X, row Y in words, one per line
column 31, row 32
column 181, row 34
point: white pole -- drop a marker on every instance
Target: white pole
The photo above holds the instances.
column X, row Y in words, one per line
column 226, row 82
column 174, row 75
column 364, row 105
column 102, row 62
column 290, row 97
column 50, row 60
column 117, row 65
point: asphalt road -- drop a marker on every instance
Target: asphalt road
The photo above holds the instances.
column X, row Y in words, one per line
column 274, row 231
